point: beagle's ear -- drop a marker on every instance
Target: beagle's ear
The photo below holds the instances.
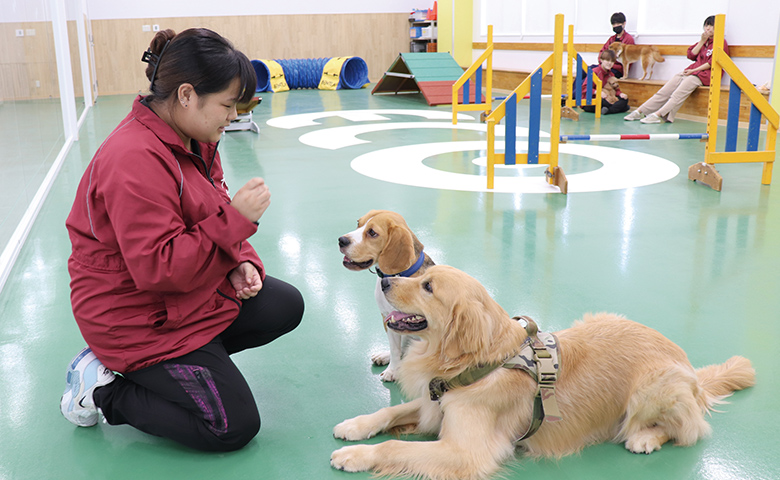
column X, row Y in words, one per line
column 468, row 332
column 398, row 250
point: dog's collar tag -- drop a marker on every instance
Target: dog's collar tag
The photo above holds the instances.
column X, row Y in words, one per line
column 406, row 273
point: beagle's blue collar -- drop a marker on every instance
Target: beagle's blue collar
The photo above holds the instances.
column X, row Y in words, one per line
column 406, row 273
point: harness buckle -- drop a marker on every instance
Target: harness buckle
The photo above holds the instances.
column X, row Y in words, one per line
column 437, row 387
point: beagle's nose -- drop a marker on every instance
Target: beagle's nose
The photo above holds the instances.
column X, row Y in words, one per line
column 385, row 284
column 343, row 241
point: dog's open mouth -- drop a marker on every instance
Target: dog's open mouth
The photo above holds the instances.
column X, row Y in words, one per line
column 352, row 265
column 406, row 322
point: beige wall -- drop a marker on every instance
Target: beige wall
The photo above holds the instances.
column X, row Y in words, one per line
column 376, row 38
column 27, row 60
column 28, row 64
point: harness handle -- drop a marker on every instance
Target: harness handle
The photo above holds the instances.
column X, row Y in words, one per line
column 530, row 326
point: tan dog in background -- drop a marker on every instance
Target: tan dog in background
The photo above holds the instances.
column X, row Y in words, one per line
column 628, row 54
column 384, row 241
column 619, row 381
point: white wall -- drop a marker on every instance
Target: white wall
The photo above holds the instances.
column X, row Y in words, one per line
column 115, row 9
column 661, row 22
column 13, row 11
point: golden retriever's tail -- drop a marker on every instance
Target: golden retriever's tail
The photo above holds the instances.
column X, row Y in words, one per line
column 717, row 382
column 657, row 56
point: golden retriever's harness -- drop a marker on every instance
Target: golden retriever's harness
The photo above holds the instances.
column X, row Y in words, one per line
column 538, row 357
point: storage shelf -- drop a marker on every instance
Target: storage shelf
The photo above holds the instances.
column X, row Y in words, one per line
column 418, row 42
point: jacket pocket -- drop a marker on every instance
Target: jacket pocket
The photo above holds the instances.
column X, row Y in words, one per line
column 173, row 311
column 158, row 317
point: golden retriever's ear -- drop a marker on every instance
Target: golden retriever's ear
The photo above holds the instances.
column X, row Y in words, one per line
column 468, row 332
column 399, row 248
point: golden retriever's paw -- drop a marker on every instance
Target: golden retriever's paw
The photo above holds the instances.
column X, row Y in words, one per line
column 355, row 458
column 355, row 429
column 381, row 358
column 645, row 441
column 388, row 375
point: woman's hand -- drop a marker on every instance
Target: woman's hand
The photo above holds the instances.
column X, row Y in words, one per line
column 252, row 199
column 246, row 280
column 624, row 96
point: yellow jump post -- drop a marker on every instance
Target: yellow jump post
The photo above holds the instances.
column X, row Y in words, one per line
column 475, row 68
column 531, row 86
column 705, row 172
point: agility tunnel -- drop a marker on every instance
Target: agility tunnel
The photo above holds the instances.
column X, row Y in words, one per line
column 323, row 73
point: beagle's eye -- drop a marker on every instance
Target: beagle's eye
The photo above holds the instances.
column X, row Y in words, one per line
column 371, row 233
column 427, row 287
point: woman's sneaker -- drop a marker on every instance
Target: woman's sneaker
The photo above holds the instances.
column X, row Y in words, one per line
column 652, row 118
column 635, row 115
column 85, row 374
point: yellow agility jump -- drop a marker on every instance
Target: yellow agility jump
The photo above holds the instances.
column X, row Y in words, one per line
column 705, row 172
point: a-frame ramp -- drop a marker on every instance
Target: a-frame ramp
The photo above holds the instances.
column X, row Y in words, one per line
column 431, row 74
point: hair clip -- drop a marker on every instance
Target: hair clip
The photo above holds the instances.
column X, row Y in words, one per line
column 149, row 57
column 152, row 59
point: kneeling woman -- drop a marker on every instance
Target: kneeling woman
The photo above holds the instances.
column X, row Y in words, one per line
column 164, row 284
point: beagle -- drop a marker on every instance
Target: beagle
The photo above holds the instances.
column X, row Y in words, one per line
column 383, row 240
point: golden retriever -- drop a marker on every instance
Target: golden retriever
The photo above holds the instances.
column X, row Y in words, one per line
column 620, row 381
column 384, row 240
column 628, row 54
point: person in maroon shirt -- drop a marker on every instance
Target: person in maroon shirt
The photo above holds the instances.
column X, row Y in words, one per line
column 165, row 286
column 618, row 21
column 604, row 72
column 663, row 106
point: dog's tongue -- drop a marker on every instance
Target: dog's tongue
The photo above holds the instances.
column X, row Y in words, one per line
column 395, row 316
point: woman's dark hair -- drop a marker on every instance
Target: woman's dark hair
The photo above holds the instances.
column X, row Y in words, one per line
column 200, row 57
column 617, row 17
column 709, row 21
column 608, row 55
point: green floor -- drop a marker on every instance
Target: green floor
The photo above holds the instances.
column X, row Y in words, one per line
column 702, row 267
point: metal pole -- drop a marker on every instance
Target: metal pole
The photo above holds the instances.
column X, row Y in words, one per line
column 64, row 72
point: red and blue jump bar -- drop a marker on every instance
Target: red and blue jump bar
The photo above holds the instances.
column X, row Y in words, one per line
column 652, row 136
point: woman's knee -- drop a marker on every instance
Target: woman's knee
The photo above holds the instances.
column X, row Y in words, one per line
column 290, row 304
column 240, row 432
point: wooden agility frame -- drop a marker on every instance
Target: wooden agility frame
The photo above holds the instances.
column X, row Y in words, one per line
column 574, row 81
column 464, row 82
column 705, row 172
column 531, row 85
